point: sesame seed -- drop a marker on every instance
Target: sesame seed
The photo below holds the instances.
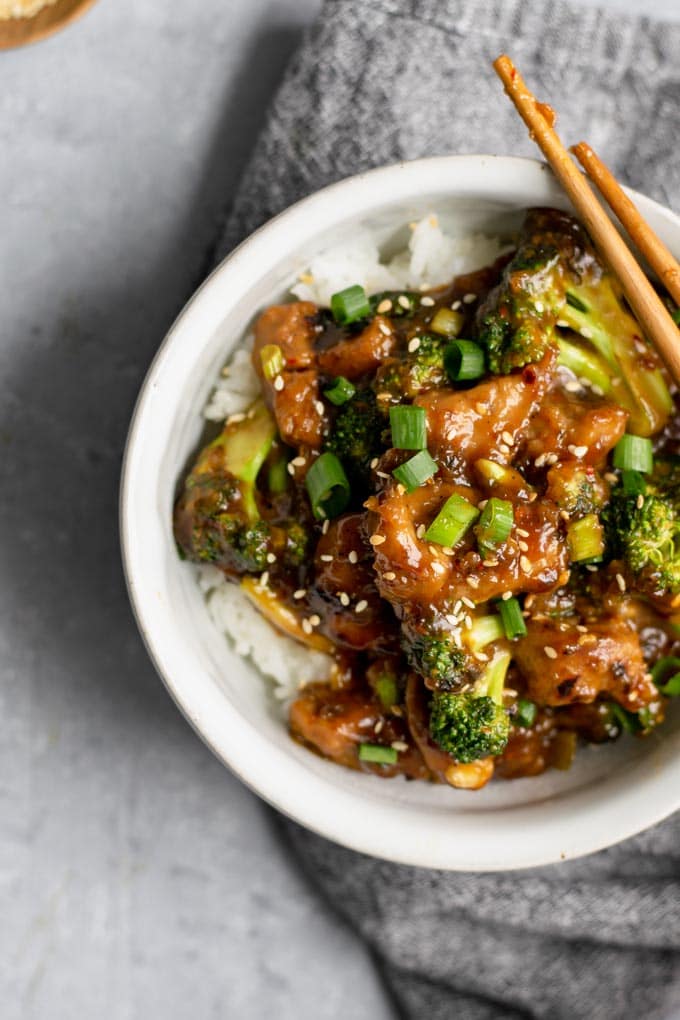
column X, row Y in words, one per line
column 540, row 460
column 234, row 419
column 455, row 306
column 550, row 651
column 344, row 598
column 481, row 657
column 573, row 386
column 414, row 344
column 326, row 558
column 482, row 503
column 384, row 306
column 290, row 468
column 551, row 458
column 525, row 564
column 353, row 556
column 399, row 745
column 427, row 301
column 300, row 593
column 523, row 547
column 306, row 626
column 621, row 582
column 481, row 408
column 315, row 620
column 401, row 489
column 318, row 404
column 469, row 298
column 597, row 390
column 539, row 306
column 640, row 501
column 523, row 532
column 376, row 539
column 271, row 558
column 278, row 383
column 264, row 578
column 374, row 463
column 325, row 526
column 506, row 595
column 433, row 550
column 508, row 438
column 581, row 629
column 610, row 477
column 502, row 448
column 578, row 451
column 390, row 576
column 468, row 621
column 562, row 323
column 467, row 602
column 587, row 333
column 379, row 725
column 299, row 461
column 457, row 640
column 382, row 474
column 473, row 581
column 591, row 567
column 420, row 530
column 384, row 328
column 564, row 514
column 360, row 606
column 490, row 563
column 403, row 301
column 529, row 601
column 384, row 396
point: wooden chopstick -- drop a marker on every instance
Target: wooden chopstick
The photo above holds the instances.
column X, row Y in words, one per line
column 643, row 299
column 643, row 237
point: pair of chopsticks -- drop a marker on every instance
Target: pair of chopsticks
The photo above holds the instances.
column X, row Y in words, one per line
column 650, row 311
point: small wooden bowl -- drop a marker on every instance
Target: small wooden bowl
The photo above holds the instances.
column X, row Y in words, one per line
column 21, row 31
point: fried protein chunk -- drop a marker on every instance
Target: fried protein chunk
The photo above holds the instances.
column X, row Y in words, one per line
column 360, row 354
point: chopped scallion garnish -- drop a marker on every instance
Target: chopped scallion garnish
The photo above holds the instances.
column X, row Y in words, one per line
column 416, row 471
column 378, row 753
column 660, row 672
column 494, row 525
column 340, row 392
column 634, row 453
column 387, row 690
column 464, row 360
column 633, row 483
column 409, row 427
column 585, row 539
column 327, row 486
column 446, row 322
column 350, row 305
column 513, row 621
column 526, row 712
column 452, row 521
column 576, row 302
column 271, row 358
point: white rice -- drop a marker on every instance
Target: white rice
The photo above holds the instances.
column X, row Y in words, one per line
column 432, row 258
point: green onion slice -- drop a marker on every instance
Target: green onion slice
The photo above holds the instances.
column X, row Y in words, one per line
column 327, row 486
column 446, row 322
column 576, row 302
column 526, row 712
column 452, row 521
column 675, row 316
column 340, row 392
column 377, row 753
column 387, row 690
column 464, row 360
column 585, row 539
column 416, row 471
column 628, row 721
column 634, row 453
column 660, row 671
column 513, row 621
column 495, row 524
column 350, row 304
column 271, row 357
column 409, row 427
column 633, row 483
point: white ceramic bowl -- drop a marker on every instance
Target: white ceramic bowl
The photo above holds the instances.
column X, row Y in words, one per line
column 610, row 793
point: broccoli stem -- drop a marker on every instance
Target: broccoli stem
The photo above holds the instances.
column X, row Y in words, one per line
column 492, row 681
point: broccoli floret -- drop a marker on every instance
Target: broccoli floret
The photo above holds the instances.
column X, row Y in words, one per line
column 619, row 720
column 217, row 518
column 576, row 489
column 436, row 658
column 642, row 528
column 473, row 724
column 416, row 371
column 356, row 437
column 403, row 302
column 556, row 286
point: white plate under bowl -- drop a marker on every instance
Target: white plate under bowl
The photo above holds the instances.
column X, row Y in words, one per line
column 610, row 793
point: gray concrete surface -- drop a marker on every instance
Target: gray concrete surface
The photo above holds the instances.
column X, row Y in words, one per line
column 138, row 878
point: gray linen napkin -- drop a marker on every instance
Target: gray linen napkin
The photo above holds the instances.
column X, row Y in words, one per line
column 378, row 81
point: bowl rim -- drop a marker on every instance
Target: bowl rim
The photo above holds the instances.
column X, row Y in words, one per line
column 383, row 837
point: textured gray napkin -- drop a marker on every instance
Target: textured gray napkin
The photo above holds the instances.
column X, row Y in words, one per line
column 376, row 82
